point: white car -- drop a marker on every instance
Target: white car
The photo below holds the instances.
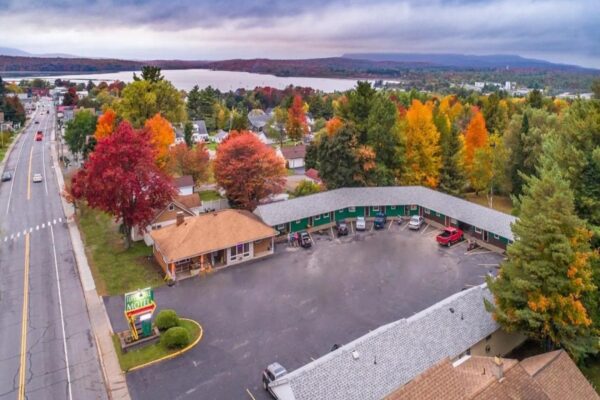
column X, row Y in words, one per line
column 361, row 224
column 37, row 178
column 415, row 222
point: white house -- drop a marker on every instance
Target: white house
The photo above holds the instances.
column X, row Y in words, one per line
column 220, row 136
column 294, row 156
column 185, row 185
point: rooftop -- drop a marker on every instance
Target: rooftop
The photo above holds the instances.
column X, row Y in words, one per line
column 183, row 181
column 307, row 206
column 290, row 153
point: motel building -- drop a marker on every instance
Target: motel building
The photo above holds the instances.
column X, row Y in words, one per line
column 211, row 240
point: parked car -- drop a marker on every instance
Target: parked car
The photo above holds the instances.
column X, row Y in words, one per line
column 449, row 236
column 37, row 122
column 39, row 136
column 37, row 178
column 272, row 372
column 380, row 220
column 415, row 222
column 361, row 224
column 305, row 240
column 6, row 176
column 342, row 227
column 47, row 111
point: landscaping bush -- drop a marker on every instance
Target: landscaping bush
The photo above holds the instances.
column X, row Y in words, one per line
column 175, row 338
column 166, row 319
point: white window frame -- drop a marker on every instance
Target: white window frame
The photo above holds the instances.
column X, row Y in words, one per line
column 477, row 230
column 326, row 215
column 392, row 207
column 497, row 237
column 351, row 209
column 281, row 227
column 298, row 222
column 413, row 206
column 437, row 214
column 427, row 211
column 317, row 217
column 171, row 207
column 375, row 208
column 233, row 250
column 453, row 221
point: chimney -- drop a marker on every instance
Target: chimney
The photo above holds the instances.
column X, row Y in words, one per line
column 180, row 218
column 498, row 368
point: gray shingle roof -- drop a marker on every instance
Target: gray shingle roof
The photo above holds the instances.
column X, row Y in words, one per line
column 402, row 350
column 473, row 214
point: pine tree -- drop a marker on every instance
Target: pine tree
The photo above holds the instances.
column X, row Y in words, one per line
column 338, row 164
column 544, row 286
column 452, row 178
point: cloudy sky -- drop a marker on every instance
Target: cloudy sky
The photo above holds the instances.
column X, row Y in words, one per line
column 565, row 31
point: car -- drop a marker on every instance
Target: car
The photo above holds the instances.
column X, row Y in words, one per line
column 415, row 222
column 380, row 220
column 273, row 372
column 6, row 176
column 37, row 122
column 37, row 178
column 47, row 111
column 305, row 240
column 39, row 136
column 361, row 224
column 449, row 236
column 342, row 227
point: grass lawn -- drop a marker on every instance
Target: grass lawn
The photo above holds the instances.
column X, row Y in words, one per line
column 116, row 270
column 592, row 372
column 211, row 145
column 4, row 149
column 209, row 195
column 501, row 203
column 152, row 352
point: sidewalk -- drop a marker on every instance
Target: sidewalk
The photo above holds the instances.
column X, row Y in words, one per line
column 114, row 378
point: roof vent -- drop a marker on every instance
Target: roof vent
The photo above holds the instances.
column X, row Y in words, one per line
column 355, row 355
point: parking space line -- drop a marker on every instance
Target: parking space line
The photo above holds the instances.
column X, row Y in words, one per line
column 250, row 394
column 425, row 230
column 352, row 227
column 404, row 227
column 390, row 226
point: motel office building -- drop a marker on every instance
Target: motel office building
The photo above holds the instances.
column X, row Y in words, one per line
column 321, row 210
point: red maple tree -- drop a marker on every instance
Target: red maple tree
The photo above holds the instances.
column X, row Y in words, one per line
column 186, row 161
column 296, row 126
column 248, row 169
column 121, row 178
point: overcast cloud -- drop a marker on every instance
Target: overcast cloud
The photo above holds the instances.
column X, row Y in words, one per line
column 556, row 30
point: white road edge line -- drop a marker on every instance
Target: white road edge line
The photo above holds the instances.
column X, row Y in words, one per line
column 23, row 140
column 44, row 158
column 62, row 317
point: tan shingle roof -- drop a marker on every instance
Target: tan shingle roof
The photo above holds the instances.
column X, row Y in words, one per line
column 190, row 200
column 209, row 232
column 561, row 379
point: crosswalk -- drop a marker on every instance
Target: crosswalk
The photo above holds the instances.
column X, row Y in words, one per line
column 31, row 229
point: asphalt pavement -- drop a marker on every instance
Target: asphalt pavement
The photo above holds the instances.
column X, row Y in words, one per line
column 47, row 349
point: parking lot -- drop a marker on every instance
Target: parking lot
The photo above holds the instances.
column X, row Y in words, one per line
column 295, row 305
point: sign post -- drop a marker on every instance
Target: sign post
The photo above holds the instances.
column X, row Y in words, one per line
column 139, row 307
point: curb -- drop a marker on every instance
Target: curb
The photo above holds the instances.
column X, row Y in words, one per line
column 13, row 144
column 177, row 353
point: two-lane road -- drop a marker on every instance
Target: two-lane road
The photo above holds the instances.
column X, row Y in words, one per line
column 47, row 349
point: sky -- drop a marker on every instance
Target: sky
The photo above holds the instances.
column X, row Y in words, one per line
column 565, row 31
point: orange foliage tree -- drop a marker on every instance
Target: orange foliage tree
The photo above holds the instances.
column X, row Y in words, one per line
column 248, row 170
column 423, row 152
column 162, row 136
column 106, row 124
column 296, row 126
column 476, row 137
column 183, row 160
column 333, row 125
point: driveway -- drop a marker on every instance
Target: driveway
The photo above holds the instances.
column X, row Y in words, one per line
column 293, row 306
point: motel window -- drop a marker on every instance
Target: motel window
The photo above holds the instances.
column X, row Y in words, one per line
column 413, row 207
column 325, row 215
column 392, row 207
column 375, row 208
column 437, row 214
column 280, row 227
column 317, row 217
column 352, row 209
column 427, row 211
column 298, row 222
column 496, row 237
column 477, row 230
column 453, row 221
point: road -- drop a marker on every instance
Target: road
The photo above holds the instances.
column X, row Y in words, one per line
column 47, row 349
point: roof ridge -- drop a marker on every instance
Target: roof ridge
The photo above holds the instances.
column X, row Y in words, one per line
column 559, row 352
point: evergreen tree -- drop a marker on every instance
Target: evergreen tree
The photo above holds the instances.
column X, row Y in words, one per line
column 544, row 286
column 188, row 128
column 358, row 107
column 338, row 165
column 193, row 103
column 452, row 177
column 149, row 73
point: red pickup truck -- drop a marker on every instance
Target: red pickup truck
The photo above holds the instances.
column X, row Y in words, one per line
column 449, row 236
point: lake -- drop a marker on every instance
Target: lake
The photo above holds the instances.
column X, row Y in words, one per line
column 222, row 80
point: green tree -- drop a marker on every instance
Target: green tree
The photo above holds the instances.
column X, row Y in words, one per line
column 535, row 99
column 358, row 107
column 143, row 99
column 544, row 286
column 338, row 165
column 150, row 74
column 306, row 187
column 79, row 131
column 452, row 175
column 188, row 129
column 596, row 89
column 201, row 106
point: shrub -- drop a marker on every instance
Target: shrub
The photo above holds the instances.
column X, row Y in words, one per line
column 175, row 338
column 166, row 319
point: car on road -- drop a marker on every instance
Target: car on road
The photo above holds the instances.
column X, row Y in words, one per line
column 449, row 236
column 342, row 227
column 39, row 136
column 272, row 372
column 361, row 224
column 47, row 111
column 37, row 122
column 37, row 178
column 6, row 176
column 380, row 220
column 305, row 240
column 415, row 222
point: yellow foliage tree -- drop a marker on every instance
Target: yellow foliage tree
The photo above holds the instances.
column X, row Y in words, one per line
column 423, row 152
column 162, row 136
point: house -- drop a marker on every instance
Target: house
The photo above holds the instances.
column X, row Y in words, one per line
column 490, row 228
column 294, row 156
column 185, row 185
column 549, row 376
column 199, row 131
column 220, row 136
column 313, row 175
column 378, row 363
column 263, row 138
column 211, row 240
column 179, row 136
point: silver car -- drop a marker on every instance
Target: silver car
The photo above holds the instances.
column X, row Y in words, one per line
column 415, row 222
column 273, row 372
column 37, row 178
column 361, row 224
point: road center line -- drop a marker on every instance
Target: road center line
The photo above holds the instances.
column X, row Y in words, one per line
column 62, row 317
column 23, row 365
column 29, row 175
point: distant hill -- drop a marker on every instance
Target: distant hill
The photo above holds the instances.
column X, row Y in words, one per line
column 464, row 61
column 9, row 51
column 65, row 65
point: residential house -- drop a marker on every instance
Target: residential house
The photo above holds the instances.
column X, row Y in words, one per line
column 211, row 240
column 179, row 136
column 263, row 138
column 313, row 175
column 220, row 136
column 294, row 156
column 376, row 364
column 549, row 376
column 199, row 131
column 185, row 185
